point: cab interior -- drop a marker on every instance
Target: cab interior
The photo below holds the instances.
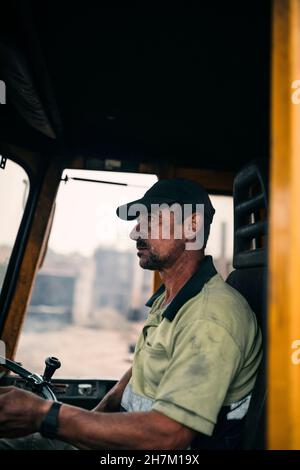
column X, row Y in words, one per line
column 180, row 92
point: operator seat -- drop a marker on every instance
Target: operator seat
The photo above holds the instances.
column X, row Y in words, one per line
column 250, row 196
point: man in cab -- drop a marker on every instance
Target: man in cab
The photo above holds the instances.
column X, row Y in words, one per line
column 195, row 361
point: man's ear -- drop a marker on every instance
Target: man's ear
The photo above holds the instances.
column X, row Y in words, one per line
column 193, row 224
column 197, row 221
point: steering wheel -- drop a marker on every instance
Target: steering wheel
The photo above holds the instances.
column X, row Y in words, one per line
column 36, row 383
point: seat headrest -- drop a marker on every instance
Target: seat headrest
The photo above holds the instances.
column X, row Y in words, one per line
column 250, row 217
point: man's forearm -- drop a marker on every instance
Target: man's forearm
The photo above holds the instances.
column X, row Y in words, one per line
column 140, row 430
column 22, row 412
column 112, row 400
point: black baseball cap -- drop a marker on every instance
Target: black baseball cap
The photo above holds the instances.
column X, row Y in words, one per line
column 170, row 191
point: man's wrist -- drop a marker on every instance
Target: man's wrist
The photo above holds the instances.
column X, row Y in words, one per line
column 41, row 411
column 50, row 422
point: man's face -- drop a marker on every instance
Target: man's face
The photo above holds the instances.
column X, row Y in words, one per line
column 159, row 239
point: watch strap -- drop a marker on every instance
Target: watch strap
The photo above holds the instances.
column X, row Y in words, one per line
column 49, row 425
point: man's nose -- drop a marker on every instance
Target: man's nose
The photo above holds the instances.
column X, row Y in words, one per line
column 135, row 233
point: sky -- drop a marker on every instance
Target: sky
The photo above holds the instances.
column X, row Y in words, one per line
column 85, row 214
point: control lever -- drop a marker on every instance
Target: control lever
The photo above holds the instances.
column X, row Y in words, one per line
column 52, row 363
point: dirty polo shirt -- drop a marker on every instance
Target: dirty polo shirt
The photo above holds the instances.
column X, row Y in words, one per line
column 196, row 359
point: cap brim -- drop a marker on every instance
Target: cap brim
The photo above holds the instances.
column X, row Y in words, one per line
column 122, row 211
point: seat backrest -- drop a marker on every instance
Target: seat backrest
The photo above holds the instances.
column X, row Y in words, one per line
column 250, row 278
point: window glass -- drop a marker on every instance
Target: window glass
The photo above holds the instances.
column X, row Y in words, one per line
column 220, row 242
column 14, row 190
column 87, row 305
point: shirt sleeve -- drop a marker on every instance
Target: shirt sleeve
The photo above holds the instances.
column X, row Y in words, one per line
column 204, row 361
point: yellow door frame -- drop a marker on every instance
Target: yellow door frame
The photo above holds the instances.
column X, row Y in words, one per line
column 284, row 256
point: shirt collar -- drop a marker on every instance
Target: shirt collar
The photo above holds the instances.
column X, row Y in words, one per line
column 192, row 287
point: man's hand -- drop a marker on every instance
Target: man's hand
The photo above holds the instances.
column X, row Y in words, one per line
column 21, row 412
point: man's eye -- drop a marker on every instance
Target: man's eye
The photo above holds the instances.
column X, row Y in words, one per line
column 142, row 221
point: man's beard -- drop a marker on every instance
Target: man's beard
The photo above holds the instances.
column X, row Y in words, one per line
column 152, row 260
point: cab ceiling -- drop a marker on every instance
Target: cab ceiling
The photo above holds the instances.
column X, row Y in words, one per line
column 182, row 85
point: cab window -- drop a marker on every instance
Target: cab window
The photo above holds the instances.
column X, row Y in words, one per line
column 14, row 190
column 88, row 302
column 220, row 242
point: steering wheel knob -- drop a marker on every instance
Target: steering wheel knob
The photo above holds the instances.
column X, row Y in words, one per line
column 52, row 363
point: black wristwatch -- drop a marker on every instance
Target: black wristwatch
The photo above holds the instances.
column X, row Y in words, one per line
column 49, row 425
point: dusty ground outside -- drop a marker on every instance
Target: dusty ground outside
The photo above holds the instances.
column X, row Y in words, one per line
column 85, row 352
